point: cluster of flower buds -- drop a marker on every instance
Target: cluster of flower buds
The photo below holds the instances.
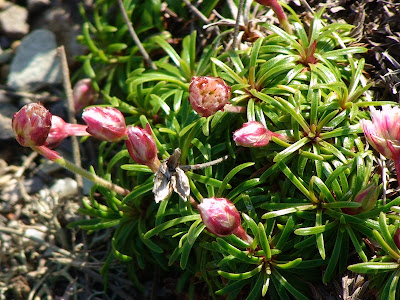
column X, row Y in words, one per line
column 221, row 218
column 33, row 127
column 208, row 94
column 383, row 133
column 255, row 134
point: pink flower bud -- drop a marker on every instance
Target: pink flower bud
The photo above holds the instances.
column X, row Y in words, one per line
column 367, row 197
column 252, row 134
column 105, row 123
column 207, row 94
column 31, row 125
column 142, row 147
column 383, row 133
column 84, row 94
column 220, row 216
column 61, row 130
column 277, row 8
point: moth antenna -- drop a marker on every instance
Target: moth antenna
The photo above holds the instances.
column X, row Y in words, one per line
column 204, row 165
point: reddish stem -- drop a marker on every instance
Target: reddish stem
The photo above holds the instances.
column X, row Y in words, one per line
column 242, row 234
column 76, row 129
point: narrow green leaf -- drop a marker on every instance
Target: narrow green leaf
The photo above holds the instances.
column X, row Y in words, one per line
column 228, row 70
column 230, row 175
column 291, row 289
column 336, row 54
column 384, row 230
column 385, row 246
column 256, row 288
column 237, row 253
column 118, row 255
column 315, row 229
column 285, row 211
column 372, row 267
column 356, row 243
column 169, row 224
column 232, row 287
column 241, row 276
column 287, row 230
column 281, row 156
column 264, row 241
column 323, row 189
column 320, row 236
column 334, row 258
column 289, row 265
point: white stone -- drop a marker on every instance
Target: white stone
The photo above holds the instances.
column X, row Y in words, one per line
column 13, row 21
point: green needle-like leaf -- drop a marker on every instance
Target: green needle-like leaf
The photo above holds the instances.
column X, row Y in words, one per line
column 241, row 276
column 264, row 241
column 169, row 224
column 369, row 267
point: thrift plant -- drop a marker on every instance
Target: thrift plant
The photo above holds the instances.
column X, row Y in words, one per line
column 244, row 167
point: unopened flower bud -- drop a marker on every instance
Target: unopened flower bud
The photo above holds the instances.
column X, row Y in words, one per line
column 252, row 134
column 207, row 94
column 84, row 94
column 105, row 123
column 61, row 130
column 277, row 8
column 220, row 216
column 31, row 125
column 255, row 134
column 367, row 197
column 383, row 133
column 142, row 147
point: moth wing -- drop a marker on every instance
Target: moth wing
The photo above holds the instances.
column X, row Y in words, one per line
column 162, row 184
column 180, row 184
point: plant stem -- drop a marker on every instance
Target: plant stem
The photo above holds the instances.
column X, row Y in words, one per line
column 56, row 157
column 71, row 113
column 236, row 30
column 135, row 38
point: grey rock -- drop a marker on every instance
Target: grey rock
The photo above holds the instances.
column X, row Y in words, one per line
column 6, row 113
column 66, row 28
column 13, row 21
column 36, row 63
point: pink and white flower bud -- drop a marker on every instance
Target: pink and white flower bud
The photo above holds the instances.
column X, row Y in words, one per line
column 105, row 123
column 31, row 125
column 84, row 94
column 255, row 134
column 208, row 94
column 220, row 216
column 142, row 147
column 61, row 130
column 383, row 133
column 252, row 134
